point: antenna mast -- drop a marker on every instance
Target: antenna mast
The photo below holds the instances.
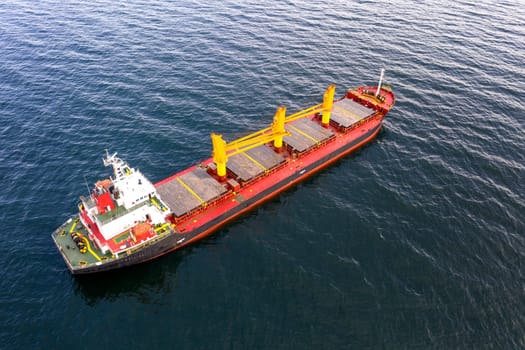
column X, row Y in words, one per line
column 380, row 81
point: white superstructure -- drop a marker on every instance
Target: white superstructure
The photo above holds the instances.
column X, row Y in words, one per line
column 122, row 202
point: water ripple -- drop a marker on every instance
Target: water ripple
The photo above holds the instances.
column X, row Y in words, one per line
column 416, row 240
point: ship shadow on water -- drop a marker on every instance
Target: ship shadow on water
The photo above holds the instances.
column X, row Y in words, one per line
column 146, row 282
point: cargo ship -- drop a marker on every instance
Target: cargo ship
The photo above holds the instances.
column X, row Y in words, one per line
column 126, row 219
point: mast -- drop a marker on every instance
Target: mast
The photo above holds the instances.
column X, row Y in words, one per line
column 380, row 81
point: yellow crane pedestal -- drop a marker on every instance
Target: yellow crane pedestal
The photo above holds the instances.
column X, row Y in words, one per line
column 328, row 102
column 275, row 133
column 278, row 128
column 219, row 154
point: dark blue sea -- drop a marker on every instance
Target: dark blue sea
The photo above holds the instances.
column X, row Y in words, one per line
column 416, row 241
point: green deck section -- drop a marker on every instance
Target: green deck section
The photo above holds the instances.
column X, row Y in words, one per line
column 120, row 211
column 69, row 249
column 76, row 259
column 121, row 238
column 117, row 212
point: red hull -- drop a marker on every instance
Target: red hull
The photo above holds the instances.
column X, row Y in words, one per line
column 293, row 167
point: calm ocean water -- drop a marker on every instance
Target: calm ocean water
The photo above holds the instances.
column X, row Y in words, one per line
column 415, row 241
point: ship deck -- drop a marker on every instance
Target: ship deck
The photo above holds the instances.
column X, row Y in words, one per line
column 306, row 133
column 347, row 112
column 69, row 249
column 252, row 163
column 186, row 192
column 194, row 189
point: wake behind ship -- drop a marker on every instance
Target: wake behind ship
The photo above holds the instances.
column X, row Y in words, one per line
column 127, row 220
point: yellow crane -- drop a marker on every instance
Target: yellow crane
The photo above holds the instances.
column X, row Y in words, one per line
column 222, row 150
